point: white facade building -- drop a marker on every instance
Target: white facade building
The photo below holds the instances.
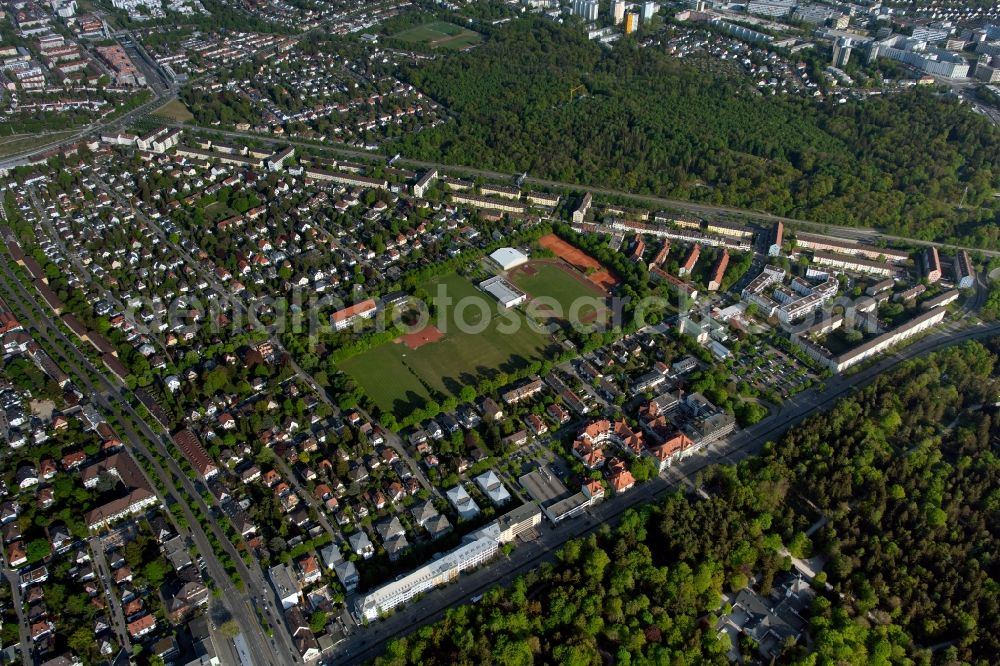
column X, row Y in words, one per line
column 493, row 488
column 479, row 547
column 506, row 294
column 618, row 11
column 507, row 258
column 283, row 580
column 586, row 9
column 463, row 503
column 648, row 11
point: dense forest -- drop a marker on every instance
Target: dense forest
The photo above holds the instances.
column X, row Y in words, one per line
column 903, row 480
column 541, row 98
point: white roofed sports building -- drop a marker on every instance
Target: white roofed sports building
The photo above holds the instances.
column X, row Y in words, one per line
column 507, row 258
column 507, row 294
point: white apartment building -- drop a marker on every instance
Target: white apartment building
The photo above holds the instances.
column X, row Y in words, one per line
column 586, row 9
column 480, row 547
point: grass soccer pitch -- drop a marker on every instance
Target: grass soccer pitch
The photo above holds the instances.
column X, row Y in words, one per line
column 400, row 379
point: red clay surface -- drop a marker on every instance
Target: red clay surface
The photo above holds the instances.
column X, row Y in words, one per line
column 580, row 260
column 420, row 338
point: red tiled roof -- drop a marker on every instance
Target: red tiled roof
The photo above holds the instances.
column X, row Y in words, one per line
column 353, row 311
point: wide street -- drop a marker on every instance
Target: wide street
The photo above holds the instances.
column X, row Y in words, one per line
column 106, row 395
column 861, row 234
column 368, row 642
column 843, row 233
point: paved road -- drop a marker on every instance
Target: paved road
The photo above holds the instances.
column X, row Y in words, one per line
column 369, row 642
column 83, row 272
column 105, row 395
column 864, row 234
column 160, row 98
column 104, row 573
column 24, row 637
column 23, row 157
column 254, row 578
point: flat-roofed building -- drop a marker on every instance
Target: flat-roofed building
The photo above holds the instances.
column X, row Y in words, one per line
column 518, row 521
column 441, row 571
column 555, row 500
column 421, row 186
column 872, row 347
column 506, row 293
column 506, row 258
column 285, row 584
column 769, row 276
column 477, row 548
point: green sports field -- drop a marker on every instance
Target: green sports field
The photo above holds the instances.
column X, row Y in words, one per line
column 393, row 375
column 440, row 34
column 547, row 279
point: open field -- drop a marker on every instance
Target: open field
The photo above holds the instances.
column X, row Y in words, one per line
column 16, row 143
column 175, row 110
column 440, row 34
column 553, row 279
column 580, row 260
column 394, row 375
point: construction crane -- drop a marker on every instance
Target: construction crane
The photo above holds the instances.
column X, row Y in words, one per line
column 574, row 90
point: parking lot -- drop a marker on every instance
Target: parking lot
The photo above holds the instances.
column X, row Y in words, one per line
column 772, row 371
column 527, row 458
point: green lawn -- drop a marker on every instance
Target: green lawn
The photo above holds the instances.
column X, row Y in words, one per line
column 440, row 34
column 175, row 110
column 543, row 279
column 391, row 374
